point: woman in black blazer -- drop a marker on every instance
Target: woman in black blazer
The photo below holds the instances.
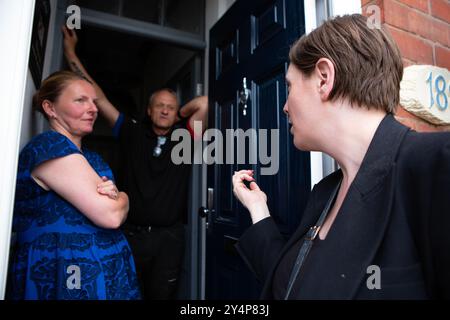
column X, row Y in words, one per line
column 382, row 221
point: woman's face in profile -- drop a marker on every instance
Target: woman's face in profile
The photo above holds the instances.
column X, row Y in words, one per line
column 75, row 109
column 301, row 107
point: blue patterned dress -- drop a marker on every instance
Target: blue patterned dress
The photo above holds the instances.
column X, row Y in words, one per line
column 60, row 254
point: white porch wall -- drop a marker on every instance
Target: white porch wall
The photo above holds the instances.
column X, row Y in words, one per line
column 341, row 7
column 16, row 19
column 18, row 124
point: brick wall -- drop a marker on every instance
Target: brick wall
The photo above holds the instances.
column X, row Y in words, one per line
column 421, row 29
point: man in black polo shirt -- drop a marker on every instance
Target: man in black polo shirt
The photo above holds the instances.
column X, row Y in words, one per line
column 157, row 188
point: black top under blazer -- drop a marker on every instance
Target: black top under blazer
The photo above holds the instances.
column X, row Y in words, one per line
column 404, row 175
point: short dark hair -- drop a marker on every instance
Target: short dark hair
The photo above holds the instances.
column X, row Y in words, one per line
column 52, row 87
column 368, row 64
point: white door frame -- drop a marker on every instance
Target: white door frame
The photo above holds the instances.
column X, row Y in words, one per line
column 16, row 24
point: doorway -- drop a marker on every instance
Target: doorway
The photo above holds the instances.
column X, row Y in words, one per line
column 129, row 68
column 132, row 48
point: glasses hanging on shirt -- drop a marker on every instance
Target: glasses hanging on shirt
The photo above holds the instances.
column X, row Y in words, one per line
column 160, row 142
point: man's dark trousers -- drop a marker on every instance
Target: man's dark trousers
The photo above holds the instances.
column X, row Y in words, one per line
column 158, row 256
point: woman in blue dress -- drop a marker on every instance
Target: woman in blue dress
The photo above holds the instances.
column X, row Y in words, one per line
column 67, row 207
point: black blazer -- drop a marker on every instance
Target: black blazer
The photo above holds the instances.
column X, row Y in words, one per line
column 403, row 174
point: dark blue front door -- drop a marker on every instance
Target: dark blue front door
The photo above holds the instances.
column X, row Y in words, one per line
column 249, row 45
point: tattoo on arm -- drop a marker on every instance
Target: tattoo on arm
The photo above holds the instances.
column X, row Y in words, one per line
column 78, row 71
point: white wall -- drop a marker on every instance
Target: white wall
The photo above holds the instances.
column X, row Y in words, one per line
column 341, row 7
column 17, row 89
column 15, row 34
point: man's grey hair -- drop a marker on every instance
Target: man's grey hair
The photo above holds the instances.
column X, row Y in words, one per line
column 172, row 92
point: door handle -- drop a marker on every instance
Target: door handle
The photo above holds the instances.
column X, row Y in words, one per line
column 210, row 199
column 244, row 96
